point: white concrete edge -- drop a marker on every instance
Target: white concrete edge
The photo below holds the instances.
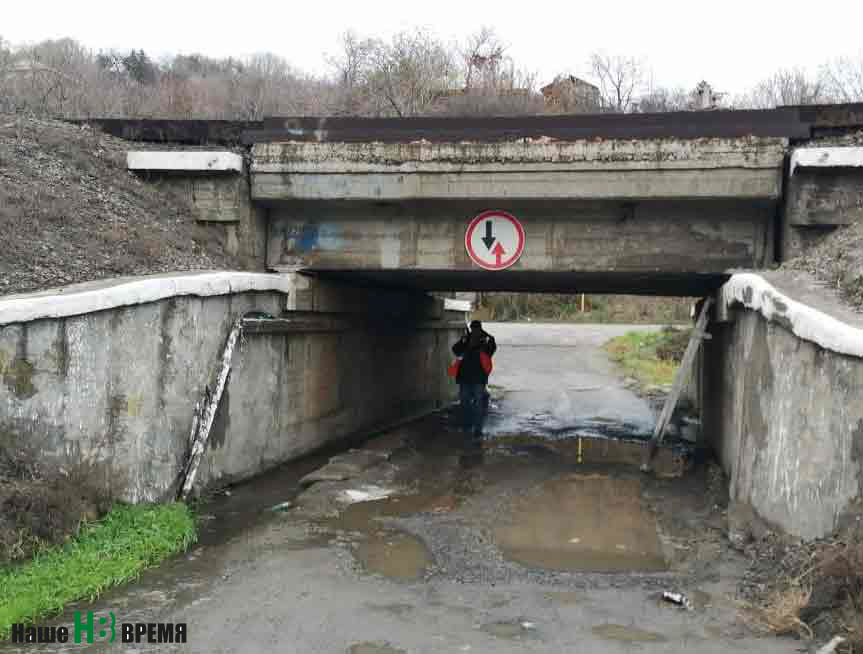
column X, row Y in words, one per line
column 756, row 293
column 826, row 157
column 449, row 304
column 88, row 297
column 184, row 160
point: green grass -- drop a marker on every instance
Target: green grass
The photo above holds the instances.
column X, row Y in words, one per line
column 541, row 307
column 644, row 355
column 105, row 553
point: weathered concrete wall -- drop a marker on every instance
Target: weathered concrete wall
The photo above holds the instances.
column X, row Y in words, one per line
column 824, row 191
column 117, row 386
column 783, row 383
column 707, row 236
column 215, row 185
column 541, row 168
column 222, row 203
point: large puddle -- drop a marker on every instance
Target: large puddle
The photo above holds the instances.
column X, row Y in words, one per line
column 395, row 555
column 383, row 549
column 582, row 523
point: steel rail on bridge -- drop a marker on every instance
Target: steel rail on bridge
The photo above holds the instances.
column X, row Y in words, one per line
column 792, row 122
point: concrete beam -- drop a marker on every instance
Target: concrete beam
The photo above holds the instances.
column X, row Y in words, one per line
column 540, row 168
column 525, row 155
column 612, row 185
column 650, row 237
column 188, row 161
column 450, row 304
column 312, row 294
column 828, row 157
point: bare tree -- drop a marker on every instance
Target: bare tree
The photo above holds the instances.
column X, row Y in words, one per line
column 408, row 74
column 483, row 59
column 487, row 81
column 5, row 53
column 788, row 86
column 662, row 99
column 413, row 73
column 843, row 78
column 620, row 80
column 351, row 64
column 352, row 67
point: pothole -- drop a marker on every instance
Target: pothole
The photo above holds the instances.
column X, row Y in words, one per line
column 590, row 523
column 627, row 634
column 511, row 629
column 374, row 648
column 395, row 555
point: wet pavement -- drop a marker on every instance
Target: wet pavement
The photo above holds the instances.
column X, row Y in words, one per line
column 564, row 525
column 558, row 382
column 415, row 544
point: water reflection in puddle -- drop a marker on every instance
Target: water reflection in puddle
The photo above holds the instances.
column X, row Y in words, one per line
column 582, row 523
column 383, row 549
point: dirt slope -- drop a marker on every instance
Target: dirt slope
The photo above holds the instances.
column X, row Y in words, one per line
column 838, row 258
column 70, row 212
column 838, row 261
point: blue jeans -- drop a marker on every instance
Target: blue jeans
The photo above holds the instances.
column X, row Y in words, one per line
column 474, row 406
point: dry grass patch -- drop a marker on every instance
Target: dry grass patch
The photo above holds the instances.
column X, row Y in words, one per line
column 815, row 593
column 780, row 613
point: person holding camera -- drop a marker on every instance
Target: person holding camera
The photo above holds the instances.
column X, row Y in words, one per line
column 476, row 348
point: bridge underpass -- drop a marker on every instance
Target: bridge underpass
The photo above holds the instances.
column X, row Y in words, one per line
column 657, row 204
column 361, row 220
column 396, row 204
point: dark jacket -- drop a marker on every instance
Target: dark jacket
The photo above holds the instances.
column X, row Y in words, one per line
column 470, row 370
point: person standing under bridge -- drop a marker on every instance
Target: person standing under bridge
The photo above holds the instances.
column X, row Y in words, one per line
column 476, row 348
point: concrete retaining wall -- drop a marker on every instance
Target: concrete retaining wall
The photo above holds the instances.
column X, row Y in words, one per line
column 783, row 383
column 216, row 187
column 824, row 191
column 113, row 382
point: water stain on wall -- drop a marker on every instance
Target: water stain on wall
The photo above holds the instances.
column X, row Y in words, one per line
column 857, row 446
column 18, row 377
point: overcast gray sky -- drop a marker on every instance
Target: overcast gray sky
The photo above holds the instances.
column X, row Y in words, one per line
column 732, row 43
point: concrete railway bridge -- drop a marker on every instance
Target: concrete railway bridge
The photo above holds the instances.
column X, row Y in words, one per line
column 353, row 223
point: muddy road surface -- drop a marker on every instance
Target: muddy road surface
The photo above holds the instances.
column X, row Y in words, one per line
column 413, row 543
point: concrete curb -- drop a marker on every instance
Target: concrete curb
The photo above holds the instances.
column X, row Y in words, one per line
column 98, row 296
column 826, row 157
column 184, row 161
column 756, row 293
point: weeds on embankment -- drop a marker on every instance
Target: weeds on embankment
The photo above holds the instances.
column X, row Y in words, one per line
column 651, row 358
column 812, row 590
column 104, row 554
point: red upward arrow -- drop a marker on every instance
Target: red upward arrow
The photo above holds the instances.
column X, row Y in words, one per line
column 498, row 252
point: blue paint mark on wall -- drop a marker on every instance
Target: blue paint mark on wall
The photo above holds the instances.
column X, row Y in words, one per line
column 330, row 238
column 308, row 238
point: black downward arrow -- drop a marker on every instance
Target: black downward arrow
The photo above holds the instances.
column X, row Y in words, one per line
column 488, row 239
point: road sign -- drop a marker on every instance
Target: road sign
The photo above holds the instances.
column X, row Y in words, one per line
column 494, row 240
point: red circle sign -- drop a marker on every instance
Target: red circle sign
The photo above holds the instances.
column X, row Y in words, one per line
column 494, row 240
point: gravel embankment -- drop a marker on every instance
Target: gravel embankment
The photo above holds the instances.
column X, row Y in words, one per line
column 71, row 212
